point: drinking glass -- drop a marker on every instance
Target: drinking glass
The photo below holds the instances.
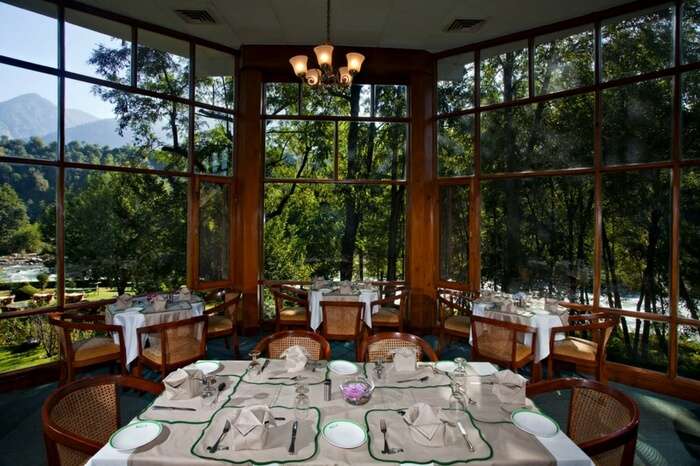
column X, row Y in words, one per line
column 302, row 402
column 254, row 356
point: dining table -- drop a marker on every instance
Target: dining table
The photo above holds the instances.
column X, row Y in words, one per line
column 141, row 313
column 188, row 434
column 365, row 294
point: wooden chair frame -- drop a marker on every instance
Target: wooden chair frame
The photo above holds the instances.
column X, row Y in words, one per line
column 598, row 324
column 231, row 333
column 54, row 435
column 425, row 347
column 515, row 329
column 94, row 323
column 165, row 367
column 400, row 293
column 325, row 352
column 357, row 335
column 282, row 293
column 626, row 435
column 447, row 301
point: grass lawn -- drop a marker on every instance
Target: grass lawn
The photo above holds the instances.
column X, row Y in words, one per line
column 19, row 357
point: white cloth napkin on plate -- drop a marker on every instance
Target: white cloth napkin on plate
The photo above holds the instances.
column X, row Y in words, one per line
column 183, row 384
column 251, row 428
column 425, row 425
column 509, row 387
column 159, row 303
column 184, row 294
column 295, row 358
column 345, row 287
column 404, row 359
column 123, row 301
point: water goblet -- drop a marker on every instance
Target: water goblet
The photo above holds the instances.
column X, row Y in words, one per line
column 379, row 367
column 301, row 402
column 254, row 356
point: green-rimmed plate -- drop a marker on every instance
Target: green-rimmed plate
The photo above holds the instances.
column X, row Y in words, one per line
column 208, row 367
column 447, row 367
column 344, row 434
column 342, row 367
column 135, row 435
column 534, row 423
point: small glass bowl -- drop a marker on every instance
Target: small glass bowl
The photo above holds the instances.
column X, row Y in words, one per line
column 357, row 390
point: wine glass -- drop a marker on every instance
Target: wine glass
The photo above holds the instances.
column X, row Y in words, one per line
column 254, row 356
column 379, row 367
column 302, row 402
column 461, row 369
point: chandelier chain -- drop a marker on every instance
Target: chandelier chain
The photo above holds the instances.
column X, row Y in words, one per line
column 328, row 21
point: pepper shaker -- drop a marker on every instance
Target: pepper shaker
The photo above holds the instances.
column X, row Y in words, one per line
column 327, row 389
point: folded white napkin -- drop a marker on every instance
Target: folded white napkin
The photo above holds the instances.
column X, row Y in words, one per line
column 551, row 305
column 318, row 282
column 251, row 428
column 184, row 294
column 509, row 387
column 123, row 301
column 404, row 359
column 183, row 384
column 425, row 425
column 345, row 287
column 159, row 303
column 295, row 358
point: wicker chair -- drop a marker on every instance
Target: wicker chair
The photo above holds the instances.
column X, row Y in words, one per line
column 602, row 421
column 588, row 355
column 392, row 310
column 172, row 345
column 342, row 320
column 81, row 354
column 454, row 313
column 497, row 341
column 291, row 307
column 79, row 418
column 274, row 345
column 381, row 346
column 224, row 317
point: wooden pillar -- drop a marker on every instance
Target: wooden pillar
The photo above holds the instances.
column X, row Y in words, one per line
column 248, row 205
column 421, row 212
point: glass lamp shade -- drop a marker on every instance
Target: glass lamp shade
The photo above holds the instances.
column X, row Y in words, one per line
column 354, row 61
column 324, row 54
column 313, row 77
column 345, row 76
column 298, row 63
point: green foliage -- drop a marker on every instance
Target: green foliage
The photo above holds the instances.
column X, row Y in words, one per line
column 43, row 279
column 24, row 291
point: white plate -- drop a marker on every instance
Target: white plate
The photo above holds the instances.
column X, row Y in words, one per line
column 446, row 366
column 208, row 367
column 482, row 368
column 342, row 367
column 133, row 309
column 344, row 434
column 534, row 423
column 135, row 435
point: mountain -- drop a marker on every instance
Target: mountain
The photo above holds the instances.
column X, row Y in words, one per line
column 100, row 132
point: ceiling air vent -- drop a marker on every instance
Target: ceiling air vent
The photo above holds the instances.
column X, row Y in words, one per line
column 196, row 16
column 465, row 25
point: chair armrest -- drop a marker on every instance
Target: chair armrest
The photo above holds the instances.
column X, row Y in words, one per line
column 390, row 300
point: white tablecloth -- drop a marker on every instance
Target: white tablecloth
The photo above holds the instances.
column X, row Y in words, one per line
column 535, row 316
column 316, row 296
column 133, row 320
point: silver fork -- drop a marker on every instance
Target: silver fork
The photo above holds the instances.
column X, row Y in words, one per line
column 295, row 378
column 387, row 450
column 214, row 448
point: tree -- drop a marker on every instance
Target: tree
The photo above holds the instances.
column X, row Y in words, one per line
column 17, row 233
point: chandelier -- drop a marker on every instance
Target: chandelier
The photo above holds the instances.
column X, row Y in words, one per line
column 325, row 75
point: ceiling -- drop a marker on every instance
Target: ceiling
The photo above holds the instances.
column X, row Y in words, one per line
column 414, row 24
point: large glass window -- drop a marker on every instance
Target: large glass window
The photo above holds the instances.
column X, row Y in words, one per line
column 455, row 146
column 299, row 149
column 214, row 231
column 689, row 286
column 163, row 64
column 454, row 233
column 455, row 83
column 213, row 74
column 563, row 60
column 369, row 150
column 690, row 115
column 29, row 32
column 504, row 73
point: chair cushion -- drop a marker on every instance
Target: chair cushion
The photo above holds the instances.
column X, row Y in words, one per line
column 294, row 313
column 181, row 348
column 218, row 323
column 458, row 324
column 500, row 349
column 94, row 348
column 578, row 348
column 386, row 315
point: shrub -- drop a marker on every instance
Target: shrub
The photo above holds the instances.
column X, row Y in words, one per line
column 43, row 279
column 24, row 292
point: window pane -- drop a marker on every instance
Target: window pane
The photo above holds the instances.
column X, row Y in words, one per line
column 299, row 149
column 547, row 135
column 28, row 113
column 564, row 61
column 504, row 73
column 637, row 122
column 98, row 47
column 537, row 235
column 456, row 146
column 163, row 64
column 689, row 296
column 124, row 232
column 213, row 232
column 112, row 127
column 640, row 343
column 454, row 233
column 342, row 231
column 27, row 342
column 214, row 77
column 29, row 33
column 371, row 150
column 637, row 43
column 455, row 83
column 391, row 101
column 690, row 115
column 690, row 31
column 689, row 352
column 213, row 142
column 281, row 98
column 353, row 101
column 635, row 241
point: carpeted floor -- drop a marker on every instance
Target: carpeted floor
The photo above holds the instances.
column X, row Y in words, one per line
column 669, row 429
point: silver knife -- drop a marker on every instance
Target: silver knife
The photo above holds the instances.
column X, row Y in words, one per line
column 295, row 426
column 464, row 434
column 177, row 408
column 262, row 368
